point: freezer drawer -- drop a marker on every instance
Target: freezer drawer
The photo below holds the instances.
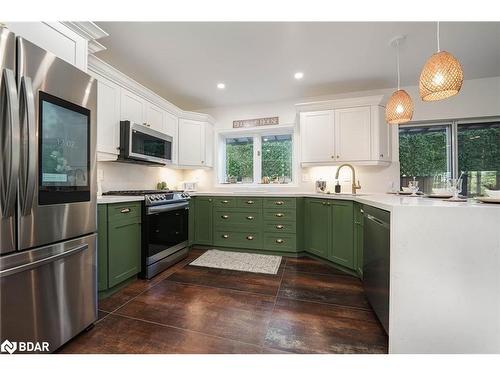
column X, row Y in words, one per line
column 50, row 293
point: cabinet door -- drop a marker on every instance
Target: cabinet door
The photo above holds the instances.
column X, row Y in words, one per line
column 172, row 129
column 358, row 239
column 352, row 134
column 342, row 234
column 381, row 135
column 209, row 145
column 124, row 250
column 317, row 227
column 131, row 107
column 108, row 118
column 191, row 143
column 317, row 136
column 203, row 232
column 155, row 117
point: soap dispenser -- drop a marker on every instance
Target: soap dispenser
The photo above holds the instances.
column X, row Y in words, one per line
column 337, row 187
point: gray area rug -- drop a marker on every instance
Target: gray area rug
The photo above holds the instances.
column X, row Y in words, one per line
column 229, row 260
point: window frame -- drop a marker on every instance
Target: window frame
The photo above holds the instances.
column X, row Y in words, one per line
column 256, row 134
column 453, row 134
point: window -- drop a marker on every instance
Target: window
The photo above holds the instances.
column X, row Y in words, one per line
column 265, row 158
column 429, row 151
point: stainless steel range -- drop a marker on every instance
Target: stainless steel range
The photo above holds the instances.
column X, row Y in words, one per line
column 164, row 228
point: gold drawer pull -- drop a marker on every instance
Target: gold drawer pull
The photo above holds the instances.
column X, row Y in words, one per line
column 224, row 201
column 210, row 200
column 279, row 203
column 250, row 202
column 125, row 210
column 225, row 236
column 250, row 218
column 225, row 216
column 279, row 226
column 250, row 238
column 279, row 215
column 280, row 241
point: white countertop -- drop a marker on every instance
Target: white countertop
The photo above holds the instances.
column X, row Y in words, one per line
column 118, row 199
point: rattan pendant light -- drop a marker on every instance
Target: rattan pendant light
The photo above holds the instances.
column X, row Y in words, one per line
column 441, row 77
column 399, row 108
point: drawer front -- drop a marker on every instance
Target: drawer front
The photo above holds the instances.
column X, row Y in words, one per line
column 280, row 242
column 280, row 227
column 280, row 203
column 249, row 202
column 120, row 211
column 245, row 219
column 279, row 215
column 246, row 240
column 224, row 202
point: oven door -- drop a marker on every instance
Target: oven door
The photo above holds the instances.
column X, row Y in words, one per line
column 146, row 144
column 166, row 231
column 57, row 184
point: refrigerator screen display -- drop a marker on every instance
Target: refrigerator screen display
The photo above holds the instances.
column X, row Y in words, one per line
column 64, row 149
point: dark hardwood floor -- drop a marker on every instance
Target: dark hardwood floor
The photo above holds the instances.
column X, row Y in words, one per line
column 308, row 307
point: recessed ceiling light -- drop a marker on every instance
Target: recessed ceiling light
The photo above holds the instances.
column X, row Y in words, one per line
column 299, row 75
column 221, row 86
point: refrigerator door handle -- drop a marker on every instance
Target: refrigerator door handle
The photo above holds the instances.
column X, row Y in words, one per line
column 28, row 133
column 41, row 262
column 11, row 103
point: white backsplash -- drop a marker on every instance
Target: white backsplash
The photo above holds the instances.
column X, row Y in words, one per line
column 126, row 176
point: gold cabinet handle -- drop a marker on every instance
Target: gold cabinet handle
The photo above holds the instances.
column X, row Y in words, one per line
column 250, row 218
column 323, row 203
column 225, row 236
column 280, row 241
column 250, row 238
column 224, row 202
column 210, row 200
column 279, row 203
column 125, row 210
column 250, row 202
column 225, row 216
column 333, row 157
column 279, row 226
column 279, row 215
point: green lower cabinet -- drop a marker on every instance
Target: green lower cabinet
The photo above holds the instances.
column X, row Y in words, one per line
column 280, row 242
column 246, row 240
column 119, row 244
column 102, row 247
column 358, row 238
column 317, row 226
column 203, row 227
column 192, row 215
column 341, row 250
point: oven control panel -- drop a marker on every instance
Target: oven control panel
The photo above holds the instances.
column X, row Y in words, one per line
column 165, row 198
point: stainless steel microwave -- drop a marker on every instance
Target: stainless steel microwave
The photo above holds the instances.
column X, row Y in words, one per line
column 139, row 143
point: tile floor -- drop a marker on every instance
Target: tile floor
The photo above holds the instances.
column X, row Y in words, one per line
column 308, row 307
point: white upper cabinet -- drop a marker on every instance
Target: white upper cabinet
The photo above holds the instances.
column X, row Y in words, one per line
column 195, row 143
column 345, row 130
column 172, row 129
column 108, row 120
column 317, row 134
column 352, row 134
column 132, row 107
column 155, row 117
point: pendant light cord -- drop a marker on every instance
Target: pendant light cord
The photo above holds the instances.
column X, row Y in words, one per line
column 397, row 59
column 437, row 36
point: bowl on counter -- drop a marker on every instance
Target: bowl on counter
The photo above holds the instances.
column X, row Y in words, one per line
column 440, row 191
column 406, row 189
column 492, row 193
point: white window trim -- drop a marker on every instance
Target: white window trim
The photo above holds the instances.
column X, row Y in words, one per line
column 256, row 133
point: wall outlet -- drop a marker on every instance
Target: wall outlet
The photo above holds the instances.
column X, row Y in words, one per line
column 305, row 177
column 100, row 175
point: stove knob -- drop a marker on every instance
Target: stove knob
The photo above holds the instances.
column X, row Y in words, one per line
column 152, row 198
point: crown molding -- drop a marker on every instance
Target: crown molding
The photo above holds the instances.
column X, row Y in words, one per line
column 378, row 100
column 98, row 66
column 89, row 31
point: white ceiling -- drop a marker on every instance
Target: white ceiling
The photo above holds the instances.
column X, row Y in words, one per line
column 183, row 62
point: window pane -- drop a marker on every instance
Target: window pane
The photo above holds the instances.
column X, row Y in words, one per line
column 277, row 159
column 479, row 157
column 424, row 152
column 239, row 160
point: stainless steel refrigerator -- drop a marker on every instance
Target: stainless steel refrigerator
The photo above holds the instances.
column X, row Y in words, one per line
column 48, row 278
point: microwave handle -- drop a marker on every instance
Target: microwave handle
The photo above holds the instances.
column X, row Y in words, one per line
column 28, row 142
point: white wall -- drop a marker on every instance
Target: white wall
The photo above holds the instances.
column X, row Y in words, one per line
column 478, row 98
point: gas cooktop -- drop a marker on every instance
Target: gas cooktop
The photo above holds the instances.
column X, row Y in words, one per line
column 154, row 197
column 138, row 192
